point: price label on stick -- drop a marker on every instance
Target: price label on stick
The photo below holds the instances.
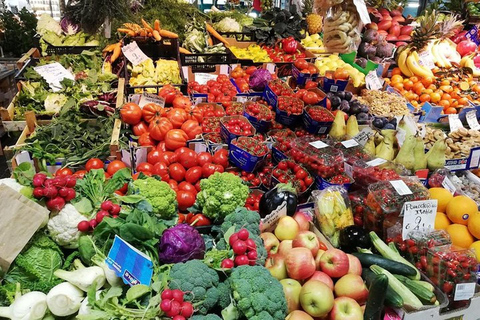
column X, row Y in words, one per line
column 418, row 216
column 472, row 120
column 401, row 187
column 350, row 143
column 133, row 53
column 318, row 144
column 454, row 122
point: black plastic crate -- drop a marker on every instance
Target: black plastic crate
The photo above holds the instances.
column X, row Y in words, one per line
column 205, row 62
column 164, row 48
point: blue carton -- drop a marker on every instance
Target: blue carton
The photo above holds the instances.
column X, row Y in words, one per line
column 277, row 155
column 316, row 127
column 260, row 125
column 226, row 135
column 287, row 120
column 244, row 160
column 332, row 85
column 301, row 78
column 322, row 184
column 270, row 96
column 430, row 113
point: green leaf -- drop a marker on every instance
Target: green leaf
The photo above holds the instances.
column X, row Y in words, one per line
column 24, row 173
column 228, row 234
column 132, row 199
column 83, row 206
column 136, row 292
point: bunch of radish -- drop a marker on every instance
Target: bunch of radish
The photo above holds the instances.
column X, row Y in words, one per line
column 244, row 250
column 57, row 191
column 107, row 209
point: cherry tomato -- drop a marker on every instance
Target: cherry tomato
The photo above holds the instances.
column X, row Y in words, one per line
column 114, row 166
column 94, row 163
column 64, row 172
column 80, row 174
column 185, row 199
column 177, row 171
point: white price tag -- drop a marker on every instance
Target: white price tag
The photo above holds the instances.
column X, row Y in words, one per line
column 318, row 144
column 464, row 291
column 362, row 11
column 401, row 187
column 54, row 73
column 418, row 216
column 133, row 53
column 333, row 88
column 202, row 78
column 426, row 60
column 474, row 158
column 271, row 67
column 376, row 162
column 472, row 120
column 454, row 122
column 363, row 136
column 350, row 143
column 241, row 99
column 270, row 221
column 348, row 169
column 372, row 81
column 448, row 184
column 147, row 98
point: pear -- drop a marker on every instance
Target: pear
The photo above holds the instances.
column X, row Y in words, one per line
column 352, row 127
column 389, row 135
column 378, row 138
column 402, row 124
column 436, row 155
column 419, row 154
column 386, row 151
column 369, row 147
column 339, row 128
column 405, row 155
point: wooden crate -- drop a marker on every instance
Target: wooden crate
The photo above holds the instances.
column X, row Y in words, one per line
column 114, row 143
column 32, row 53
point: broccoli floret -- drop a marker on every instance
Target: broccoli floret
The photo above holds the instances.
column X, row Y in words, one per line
column 207, row 317
column 221, row 194
column 257, row 295
column 224, row 294
column 159, row 194
column 199, row 283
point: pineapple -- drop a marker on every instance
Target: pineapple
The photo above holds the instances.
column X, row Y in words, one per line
column 314, row 22
column 427, row 30
column 449, row 25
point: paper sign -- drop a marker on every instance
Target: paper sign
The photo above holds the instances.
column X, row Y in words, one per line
column 363, row 135
column 464, row 291
column 318, row 144
column 203, row 78
column 147, row 98
column 426, row 60
column 472, row 120
column 54, row 73
column 270, row 221
column 362, row 11
column 376, row 162
column 133, row 53
column 270, row 67
column 418, row 216
column 448, row 184
column 401, row 188
column 350, row 143
column 348, row 169
column 372, row 81
column 241, row 99
column 454, row 122
column 129, row 263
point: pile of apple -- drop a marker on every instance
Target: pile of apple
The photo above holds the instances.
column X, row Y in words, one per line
column 317, row 281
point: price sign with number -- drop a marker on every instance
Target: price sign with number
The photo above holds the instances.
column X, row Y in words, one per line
column 133, row 53
column 472, row 120
column 372, row 81
column 418, row 216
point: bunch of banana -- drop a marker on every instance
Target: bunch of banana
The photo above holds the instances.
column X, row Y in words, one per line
column 408, row 62
column 443, row 53
column 467, row 62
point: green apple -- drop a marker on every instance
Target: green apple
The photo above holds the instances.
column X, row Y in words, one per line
column 292, row 289
column 316, row 298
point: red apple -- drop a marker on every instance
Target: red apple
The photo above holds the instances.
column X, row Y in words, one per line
column 384, row 12
column 298, row 315
column 285, row 246
column 345, row 308
column 406, row 30
column 316, row 298
column 354, row 265
column 334, row 262
column 352, row 286
column 270, row 242
column 466, row 47
column 307, row 239
column 394, row 30
column 300, row 263
column 323, row 277
column 303, row 220
column 317, row 258
column 291, row 289
column 276, row 265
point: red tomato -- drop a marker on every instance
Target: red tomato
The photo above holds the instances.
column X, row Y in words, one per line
column 185, row 199
column 250, row 70
column 328, row 104
column 94, row 163
column 146, row 140
column 193, row 174
column 168, row 92
column 114, row 166
column 147, row 173
column 182, row 150
column 152, row 111
column 131, row 113
column 310, row 98
column 161, row 169
column 208, row 169
column 311, row 84
column 171, row 157
column 123, row 189
column 199, row 220
column 188, row 159
column 80, row 174
column 159, row 127
column 154, row 156
column 300, row 93
column 312, row 69
column 192, row 128
column 187, row 186
column 177, row 172
column 140, row 128
column 301, row 64
column 175, row 139
column 144, row 167
column 219, row 168
column 197, row 186
column 174, row 185
column 65, row 172
column 182, row 102
column 204, row 157
column 161, row 146
column 107, row 175
column 221, row 157
column 177, row 116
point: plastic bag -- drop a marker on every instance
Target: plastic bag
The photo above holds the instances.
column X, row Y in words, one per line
column 333, row 212
column 342, row 28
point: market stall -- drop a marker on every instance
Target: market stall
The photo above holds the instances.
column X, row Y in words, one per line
column 321, row 164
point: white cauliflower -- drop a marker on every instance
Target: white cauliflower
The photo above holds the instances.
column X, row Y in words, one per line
column 63, row 227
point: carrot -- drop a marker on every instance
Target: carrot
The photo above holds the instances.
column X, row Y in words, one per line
column 156, row 35
column 214, row 33
column 168, row 34
column 147, row 26
column 183, row 50
column 210, row 41
column 156, row 25
column 143, row 33
column 116, row 52
column 109, row 48
column 131, row 33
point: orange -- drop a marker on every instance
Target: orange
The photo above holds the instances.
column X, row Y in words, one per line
column 397, row 78
column 441, row 221
column 435, row 97
column 476, row 247
column 450, row 110
column 447, row 89
column 443, row 197
column 460, row 208
column 425, row 97
column 398, row 85
column 460, row 235
column 428, row 91
column 414, row 79
column 463, row 101
column 444, row 103
column 427, row 81
column 408, row 84
column 474, row 225
column 446, row 96
column 432, row 86
column 445, row 83
column 396, row 71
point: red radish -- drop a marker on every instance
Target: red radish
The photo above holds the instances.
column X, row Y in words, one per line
column 166, row 305
column 63, row 192
column 93, row 223
column 233, row 238
column 407, row 30
column 167, row 295
column 187, row 309
column 227, row 264
column 50, row 192
column 174, row 309
column 39, row 179
column 59, row 181
column 384, row 25
column 55, row 204
column 178, row 317
column 38, row 192
column 70, row 195
column 241, row 260
column 466, row 47
column 83, row 226
column 115, row 209
column 251, row 245
column 177, row 295
column 239, row 247
column 70, row 181
column 243, row 234
column 100, row 215
column 394, row 30
column 106, row 205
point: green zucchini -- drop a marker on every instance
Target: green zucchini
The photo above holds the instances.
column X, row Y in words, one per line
column 425, row 284
column 376, row 298
column 395, row 267
column 393, row 247
column 392, row 299
column 424, row 294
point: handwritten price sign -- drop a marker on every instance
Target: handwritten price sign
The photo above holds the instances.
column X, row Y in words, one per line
column 418, row 216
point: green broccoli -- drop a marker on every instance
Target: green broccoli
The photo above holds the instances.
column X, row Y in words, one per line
column 221, row 194
column 199, row 283
column 159, row 194
column 225, row 294
column 207, row 317
column 257, row 295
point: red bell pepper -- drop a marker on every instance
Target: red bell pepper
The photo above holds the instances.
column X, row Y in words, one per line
column 289, row 45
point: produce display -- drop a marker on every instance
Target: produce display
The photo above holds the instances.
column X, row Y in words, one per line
column 314, row 162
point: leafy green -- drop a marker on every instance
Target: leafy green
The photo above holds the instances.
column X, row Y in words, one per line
column 24, row 173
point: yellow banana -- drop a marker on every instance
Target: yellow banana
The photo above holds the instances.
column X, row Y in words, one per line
column 470, row 64
column 436, row 58
column 416, row 68
column 442, row 55
column 402, row 62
